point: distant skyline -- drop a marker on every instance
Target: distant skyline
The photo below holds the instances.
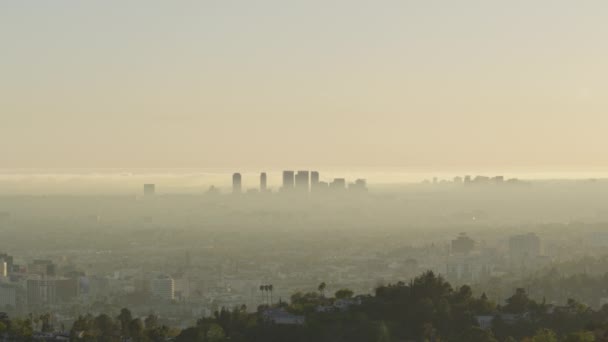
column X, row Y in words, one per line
column 260, row 85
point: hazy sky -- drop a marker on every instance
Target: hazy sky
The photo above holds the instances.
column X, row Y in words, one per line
column 438, row 84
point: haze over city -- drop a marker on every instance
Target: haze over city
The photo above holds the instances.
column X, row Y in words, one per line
column 445, row 85
column 303, row 171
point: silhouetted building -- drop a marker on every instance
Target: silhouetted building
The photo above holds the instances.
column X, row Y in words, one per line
column 481, row 180
column 236, row 183
column 43, row 268
column 302, row 181
column 322, row 186
column 67, row 289
column 358, row 185
column 213, row 190
column 462, row 244
column 149, row 189
column 524, row 246
column 338, row 184
column 288, row 180
column 263, row 182
column 314, row 180
column 40, row 292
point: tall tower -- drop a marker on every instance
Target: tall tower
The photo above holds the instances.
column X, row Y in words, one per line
column 288, row 180
column 263, row 187
column 302, row 181
column 236, row 183
column 314, row 180
column 149, row 189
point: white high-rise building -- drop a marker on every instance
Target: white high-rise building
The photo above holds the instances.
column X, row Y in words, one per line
column 8, row 296
column 163, row 287
column 3, row 269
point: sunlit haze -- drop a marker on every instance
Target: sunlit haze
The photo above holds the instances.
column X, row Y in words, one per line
column 303, row 171
column 434, row 85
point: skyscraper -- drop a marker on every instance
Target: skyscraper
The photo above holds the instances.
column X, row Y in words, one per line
column 236, row 183
column 263, row 187
column 338, row 184
column 314, row 180
column 302, row 181
column 288, row 180
column 359, row 185
column 149, row 189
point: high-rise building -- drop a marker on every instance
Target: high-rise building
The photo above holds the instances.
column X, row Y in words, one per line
column 302, row 181
column 8, row 295
column 263, row 182
column 149, row 189
column 338, row 184
column 359, row 185
column 314, row 180
column 9, row 262
column 288, row 180
column 40, row 292
column 498, row 179
column 524, row 246
column 463, row 244
column 236, row 183
column 43, row 268
column 67, row 289
column 163, row 287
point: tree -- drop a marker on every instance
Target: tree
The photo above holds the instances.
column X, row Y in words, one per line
column 125, row 319
column 270, row 288
column 46, row 322
column 476, row 334
column 158, row 333
column 344, row 294
column 21, row 329
column 322, row 288
column 215, row 333
column 544, row 335
column 518, row 303
column 582, row 336
column 151, row 321
column 193, row 334
column 106, row 327
column 136, row 330
column 264, row 289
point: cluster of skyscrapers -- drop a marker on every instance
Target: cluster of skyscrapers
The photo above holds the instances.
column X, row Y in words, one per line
column 303, row 181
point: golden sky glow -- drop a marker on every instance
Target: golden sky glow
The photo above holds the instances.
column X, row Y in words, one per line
column 440, row 84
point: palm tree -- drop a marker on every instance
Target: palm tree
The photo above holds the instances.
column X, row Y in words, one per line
column 263, row 288
column 321, row 288
column 46, row 322
column 270, row 288
column 267, row 289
